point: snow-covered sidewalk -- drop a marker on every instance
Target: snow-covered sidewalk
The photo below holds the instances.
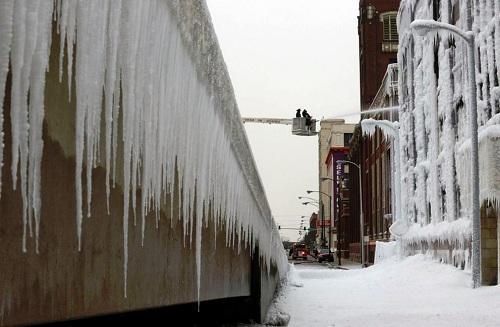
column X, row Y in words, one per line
column 416, row 291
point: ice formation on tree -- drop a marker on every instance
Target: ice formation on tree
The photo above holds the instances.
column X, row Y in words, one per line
column 146, row 67
column 435, row 140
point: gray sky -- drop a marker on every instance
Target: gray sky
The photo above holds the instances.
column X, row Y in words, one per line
column 283, row 55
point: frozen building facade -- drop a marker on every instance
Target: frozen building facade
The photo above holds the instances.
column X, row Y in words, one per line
column 435, row 137
column 378, row 46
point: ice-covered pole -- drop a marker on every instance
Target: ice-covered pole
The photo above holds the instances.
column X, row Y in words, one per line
column 422, row 27
column 476, row 223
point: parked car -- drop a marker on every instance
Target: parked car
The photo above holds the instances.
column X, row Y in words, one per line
column 325, row 255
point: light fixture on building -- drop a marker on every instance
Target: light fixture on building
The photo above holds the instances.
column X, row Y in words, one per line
column 370, row 11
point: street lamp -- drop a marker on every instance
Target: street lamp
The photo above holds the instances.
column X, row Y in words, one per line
column 322, row 179
column 323, row 218
column 309, row 202
column 361, row 218
column 306, row 197
column 423, row 27
column 309, row 192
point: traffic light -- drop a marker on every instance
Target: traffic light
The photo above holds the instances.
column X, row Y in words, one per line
column 279, row 227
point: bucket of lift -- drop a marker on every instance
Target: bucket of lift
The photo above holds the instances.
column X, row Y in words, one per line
column 299, row 127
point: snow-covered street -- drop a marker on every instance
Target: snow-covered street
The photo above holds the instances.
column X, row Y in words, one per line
column 416, row 291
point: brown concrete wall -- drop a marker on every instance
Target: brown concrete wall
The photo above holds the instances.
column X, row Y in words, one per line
column 60, row 282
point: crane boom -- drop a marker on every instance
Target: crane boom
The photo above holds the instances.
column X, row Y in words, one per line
column 279, row 121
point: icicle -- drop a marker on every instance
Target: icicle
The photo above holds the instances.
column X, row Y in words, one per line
column 6, row 17
column 199, row 223
column 111, row 86
column 21, row 51
column 90, row 64
column 115, row 119
column 61, row 28
column 40, row 64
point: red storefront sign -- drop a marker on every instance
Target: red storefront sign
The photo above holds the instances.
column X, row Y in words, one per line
column 325, row 223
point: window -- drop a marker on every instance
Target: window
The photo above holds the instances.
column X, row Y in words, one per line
column 436, row 14
column 455, row 13
column 347, row 138
column 390, row 27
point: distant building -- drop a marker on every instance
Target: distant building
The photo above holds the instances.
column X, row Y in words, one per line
column 334, row 138
column 310, row 237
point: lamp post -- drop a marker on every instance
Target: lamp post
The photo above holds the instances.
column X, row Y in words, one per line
column 422, row 27
column 310, row 202
column 361, row 217
column 323, row 227
column 306, row 197
column 331, row 216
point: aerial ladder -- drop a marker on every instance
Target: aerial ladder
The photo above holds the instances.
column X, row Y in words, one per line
column 299, row 126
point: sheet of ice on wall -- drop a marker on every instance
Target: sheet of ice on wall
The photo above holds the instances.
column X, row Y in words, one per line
column 384, row 250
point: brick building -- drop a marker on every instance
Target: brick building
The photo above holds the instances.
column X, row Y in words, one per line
column 378, row 46
column 339, row 181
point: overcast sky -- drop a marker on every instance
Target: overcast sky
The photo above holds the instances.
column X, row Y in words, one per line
column 283, row 55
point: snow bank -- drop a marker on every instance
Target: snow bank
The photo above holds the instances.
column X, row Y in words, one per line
column 415, row 291
column 276, row 316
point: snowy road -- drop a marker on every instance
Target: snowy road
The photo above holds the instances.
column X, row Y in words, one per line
column 414, row 292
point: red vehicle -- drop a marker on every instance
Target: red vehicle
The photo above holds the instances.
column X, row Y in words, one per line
column 300, row 251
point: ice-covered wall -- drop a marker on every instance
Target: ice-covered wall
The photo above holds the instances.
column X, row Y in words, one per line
column 433, row 118
column 149, row 80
